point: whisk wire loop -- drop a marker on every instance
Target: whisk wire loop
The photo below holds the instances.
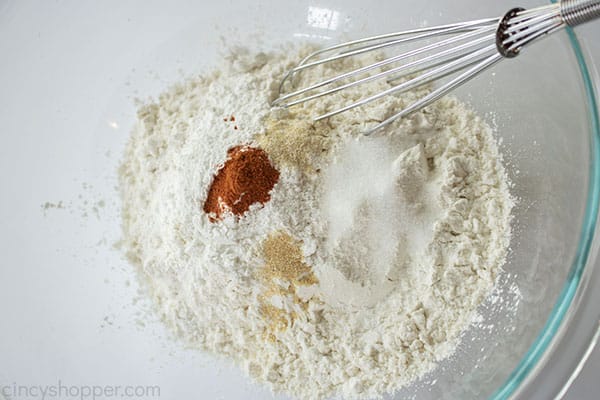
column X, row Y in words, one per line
column 462, row 50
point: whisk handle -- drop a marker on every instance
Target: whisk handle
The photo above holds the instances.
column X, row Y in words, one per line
column 576, row 12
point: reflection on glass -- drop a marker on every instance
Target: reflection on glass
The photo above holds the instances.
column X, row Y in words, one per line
column 323, row 18
column 311, row 36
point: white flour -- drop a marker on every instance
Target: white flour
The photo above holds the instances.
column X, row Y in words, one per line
column 405, row 244
column 380, row 214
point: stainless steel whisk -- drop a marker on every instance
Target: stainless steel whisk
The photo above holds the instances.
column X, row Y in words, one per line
column 474, row 46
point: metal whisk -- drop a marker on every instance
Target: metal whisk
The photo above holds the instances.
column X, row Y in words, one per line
column 462, row 50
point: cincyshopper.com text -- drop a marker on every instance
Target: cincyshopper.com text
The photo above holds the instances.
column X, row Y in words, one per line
column 60, row 390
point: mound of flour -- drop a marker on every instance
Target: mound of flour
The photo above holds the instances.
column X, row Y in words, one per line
column 405, row 232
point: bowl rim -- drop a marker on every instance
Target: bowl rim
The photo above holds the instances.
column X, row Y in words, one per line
column 565, row 307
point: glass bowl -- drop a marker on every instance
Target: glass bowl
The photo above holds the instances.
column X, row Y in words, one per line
column 71, row 311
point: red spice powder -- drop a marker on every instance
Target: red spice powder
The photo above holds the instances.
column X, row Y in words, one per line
column 247, row 177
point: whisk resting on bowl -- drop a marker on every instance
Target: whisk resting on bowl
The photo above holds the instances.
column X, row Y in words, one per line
column 460, row 51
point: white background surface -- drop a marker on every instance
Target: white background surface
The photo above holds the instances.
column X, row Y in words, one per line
column 587, row 385
column 92, row 156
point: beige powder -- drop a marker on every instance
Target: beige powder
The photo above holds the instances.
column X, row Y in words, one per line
column 283, row 272
column 296, row 142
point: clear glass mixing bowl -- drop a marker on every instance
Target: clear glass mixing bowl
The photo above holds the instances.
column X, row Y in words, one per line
column 69, row 74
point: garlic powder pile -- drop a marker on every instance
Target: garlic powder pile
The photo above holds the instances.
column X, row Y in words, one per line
column 366, row 262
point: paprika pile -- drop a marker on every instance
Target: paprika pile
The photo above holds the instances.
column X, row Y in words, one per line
column 245, row 178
